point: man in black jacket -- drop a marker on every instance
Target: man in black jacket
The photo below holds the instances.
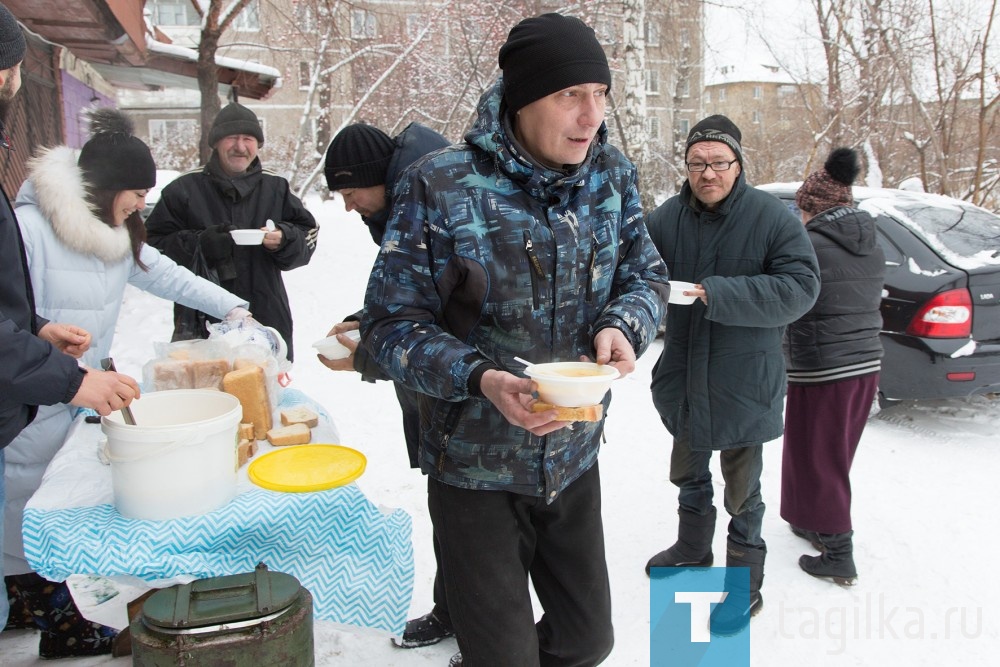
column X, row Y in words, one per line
column 36, row 356
column 192, row 221
column 363, row 164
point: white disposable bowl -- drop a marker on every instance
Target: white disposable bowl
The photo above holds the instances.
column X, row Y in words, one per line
column 572, row 384
column 677, row 288
column 248, row 236
column 332, row 349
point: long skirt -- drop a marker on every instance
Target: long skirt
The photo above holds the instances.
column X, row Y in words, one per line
column 823, row 425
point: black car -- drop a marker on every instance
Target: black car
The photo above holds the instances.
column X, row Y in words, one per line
column 941, row 301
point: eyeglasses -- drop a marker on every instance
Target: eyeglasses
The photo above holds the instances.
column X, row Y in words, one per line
column 698, row 167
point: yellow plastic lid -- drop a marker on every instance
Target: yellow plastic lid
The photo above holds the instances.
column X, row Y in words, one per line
column 312, row 467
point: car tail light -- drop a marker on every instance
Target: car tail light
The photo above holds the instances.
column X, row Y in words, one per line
column 946, row 315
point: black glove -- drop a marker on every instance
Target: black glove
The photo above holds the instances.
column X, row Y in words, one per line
column 217, row 249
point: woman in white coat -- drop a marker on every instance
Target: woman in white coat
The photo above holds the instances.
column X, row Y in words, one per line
column 85, row 240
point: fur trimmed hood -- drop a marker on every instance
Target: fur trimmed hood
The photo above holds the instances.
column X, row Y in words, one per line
column 55, row 185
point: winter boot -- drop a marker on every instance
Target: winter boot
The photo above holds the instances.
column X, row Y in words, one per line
column 65, row 633
column 810, row 536
column 741, row 604
column 20, row 616
column 424, row 631
column 693, row 547
column 837, row 560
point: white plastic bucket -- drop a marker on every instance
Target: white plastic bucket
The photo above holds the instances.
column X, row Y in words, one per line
column 180, row 457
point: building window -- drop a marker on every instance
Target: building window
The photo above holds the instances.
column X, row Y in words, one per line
column 653, row 128
column 248, row 20
column 652, row 30
column 684, row 88
column 414, row 24
column 785, row 90
column 173, row 13
column 652, row 82
column 167, row 129
column 683, row 127
column 756, row 117
column 722, row 94
column 305, row 16
column 305, row 74
column 684, row 38
column 708, row 96
column 758, row 92
column 362, row 24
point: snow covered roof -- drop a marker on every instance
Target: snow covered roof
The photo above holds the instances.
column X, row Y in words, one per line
column 747, row 73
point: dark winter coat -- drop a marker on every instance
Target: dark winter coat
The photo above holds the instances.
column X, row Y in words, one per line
column 722, row 372
column 208, row 197
column 32, row 371
column 487, row 256
column 840, row 333
column 414, row 142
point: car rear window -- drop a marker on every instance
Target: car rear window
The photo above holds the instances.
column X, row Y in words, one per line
column 965, row 235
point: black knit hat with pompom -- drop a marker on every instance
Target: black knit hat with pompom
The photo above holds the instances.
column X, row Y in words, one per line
column 830, row 186
column 114, row 158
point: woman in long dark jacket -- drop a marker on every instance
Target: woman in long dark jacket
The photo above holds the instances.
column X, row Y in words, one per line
column 833, row 357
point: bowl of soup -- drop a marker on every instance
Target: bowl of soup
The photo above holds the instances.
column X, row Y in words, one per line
column 572, row 384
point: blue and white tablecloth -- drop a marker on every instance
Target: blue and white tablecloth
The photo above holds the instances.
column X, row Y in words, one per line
column 355, row 559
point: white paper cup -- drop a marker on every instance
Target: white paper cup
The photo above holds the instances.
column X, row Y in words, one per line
column 677, row 289
column 333, row 349
column 248, row 236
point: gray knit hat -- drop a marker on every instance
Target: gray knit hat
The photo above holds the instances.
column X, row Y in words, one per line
column 12, row 44
column 235, row 119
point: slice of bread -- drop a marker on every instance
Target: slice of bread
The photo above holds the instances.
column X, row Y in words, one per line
column 246, row 431
column 299, row 415
column 248, row 385
column 208, row 373
column 587, row 413
column 296, row 434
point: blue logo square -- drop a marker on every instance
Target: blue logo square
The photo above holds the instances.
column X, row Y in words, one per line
column 680, row 605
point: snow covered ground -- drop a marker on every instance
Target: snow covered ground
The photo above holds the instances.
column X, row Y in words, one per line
column 922, row 506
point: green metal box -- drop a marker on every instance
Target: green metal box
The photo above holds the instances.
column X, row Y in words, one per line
column 258, row 619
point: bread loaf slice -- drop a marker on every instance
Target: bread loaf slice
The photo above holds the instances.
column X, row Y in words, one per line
column 587, row 413
column 299, row 415
column 246, row 431
column 171, row 374
column 248, row 385
column 296, row 434
column 208, row 373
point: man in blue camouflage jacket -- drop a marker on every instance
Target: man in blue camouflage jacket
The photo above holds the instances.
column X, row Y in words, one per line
column 525, row 240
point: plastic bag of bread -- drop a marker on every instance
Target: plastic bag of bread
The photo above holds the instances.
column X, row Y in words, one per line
column 189, row 364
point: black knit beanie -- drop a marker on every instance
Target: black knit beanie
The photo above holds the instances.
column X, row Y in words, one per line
column 547, row 53
column 12, row 44
column 716, row 128
column 830, row 186
column 358, row 157
column 235, row 119
column 113, row 158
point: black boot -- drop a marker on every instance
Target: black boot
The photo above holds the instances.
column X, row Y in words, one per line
column 741, row 604
column 424, row 631
column 810, row 536
column 693, row 547
column 837, row 560
column 64, row 632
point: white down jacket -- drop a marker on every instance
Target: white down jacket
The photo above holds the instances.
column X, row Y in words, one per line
column 79, row 268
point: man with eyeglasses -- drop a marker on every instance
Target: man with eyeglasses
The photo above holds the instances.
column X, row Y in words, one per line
column 719, row 382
